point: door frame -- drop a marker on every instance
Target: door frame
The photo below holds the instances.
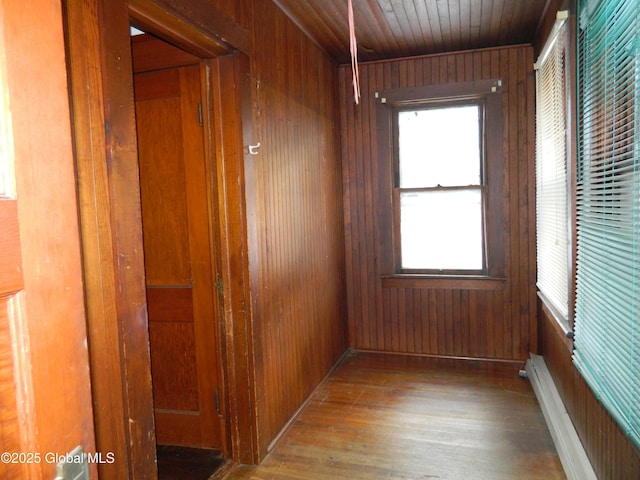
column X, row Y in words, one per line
column 101, row 78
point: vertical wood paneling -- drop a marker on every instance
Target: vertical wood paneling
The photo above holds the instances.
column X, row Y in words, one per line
column 452, row 321
column 298, row 288
column 612, row 455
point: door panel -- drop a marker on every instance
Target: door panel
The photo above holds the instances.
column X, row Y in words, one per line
column 10, row 282
column 10, row 261
column 178, row 260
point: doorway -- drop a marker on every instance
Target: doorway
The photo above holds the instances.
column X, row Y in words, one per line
column 106, row 153
column 180, row 252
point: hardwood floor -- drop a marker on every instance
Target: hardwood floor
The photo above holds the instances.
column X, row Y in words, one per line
column 391, row 417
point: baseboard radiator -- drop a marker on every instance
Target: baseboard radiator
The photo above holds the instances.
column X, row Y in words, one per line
column 570, row 450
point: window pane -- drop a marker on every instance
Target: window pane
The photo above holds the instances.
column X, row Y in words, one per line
column 441, row 230
column 439, row 146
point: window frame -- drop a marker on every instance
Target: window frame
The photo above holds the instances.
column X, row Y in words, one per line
column 489, row 92
column 561, row 40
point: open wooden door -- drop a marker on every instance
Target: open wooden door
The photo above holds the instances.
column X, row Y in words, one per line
column 45, row 396
column 181, row 290
column 11, row 282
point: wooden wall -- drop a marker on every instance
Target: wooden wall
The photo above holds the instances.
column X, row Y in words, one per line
column 294, row 240
column 613, row 456
column 294, row 209
column 485, row 322
column 295, row 212
column 238, row 10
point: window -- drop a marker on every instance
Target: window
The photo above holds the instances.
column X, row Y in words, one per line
column 442, row 197
column 552, row 213
column 607, row 317
column 439, row 191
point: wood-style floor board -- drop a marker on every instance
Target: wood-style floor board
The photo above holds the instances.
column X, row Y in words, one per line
column 391, row 417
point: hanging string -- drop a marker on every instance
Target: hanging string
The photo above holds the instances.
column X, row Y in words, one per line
column 353, row 46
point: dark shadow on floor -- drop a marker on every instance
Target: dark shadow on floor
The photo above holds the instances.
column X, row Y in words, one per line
column 182, row 463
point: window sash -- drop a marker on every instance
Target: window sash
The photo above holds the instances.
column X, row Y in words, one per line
column 453, row 227
column 607, row 318
column 426, row 142
column 552, row 200
column 429, row 236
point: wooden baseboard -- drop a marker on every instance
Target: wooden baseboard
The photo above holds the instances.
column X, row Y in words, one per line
column 225, row 470
column 440, row 357
column 574, row 459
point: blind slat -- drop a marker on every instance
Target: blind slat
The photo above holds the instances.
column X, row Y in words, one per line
column 607, row 315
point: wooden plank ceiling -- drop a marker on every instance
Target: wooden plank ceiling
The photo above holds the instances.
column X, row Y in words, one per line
column 401, row 28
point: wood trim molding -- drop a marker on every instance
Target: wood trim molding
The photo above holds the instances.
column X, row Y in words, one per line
column 202, row 30
column 151, row 53
column 485, row 360
column 101, row 84
column 454, row 282
column 230, row 167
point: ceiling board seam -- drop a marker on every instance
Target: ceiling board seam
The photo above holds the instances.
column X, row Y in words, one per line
column 442, row 54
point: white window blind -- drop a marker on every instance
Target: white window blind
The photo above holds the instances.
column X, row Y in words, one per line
column 607, row 317
column 551, row 172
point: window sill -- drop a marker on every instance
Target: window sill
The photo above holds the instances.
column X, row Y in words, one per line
column 452, row 282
